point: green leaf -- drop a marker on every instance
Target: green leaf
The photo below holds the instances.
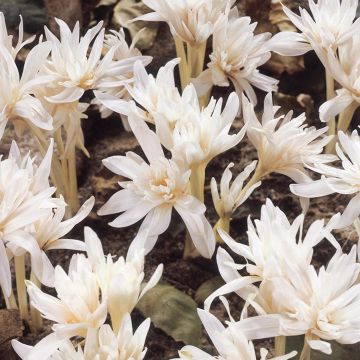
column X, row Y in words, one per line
column 173, row 312
column 339, row 351
column 207, row 288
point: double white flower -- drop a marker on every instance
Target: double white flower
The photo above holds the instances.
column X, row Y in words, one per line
column 154, row 189
column 24, row 200
column 232, row 343
column 343, row 180
column 190, row 20
column 284, row 144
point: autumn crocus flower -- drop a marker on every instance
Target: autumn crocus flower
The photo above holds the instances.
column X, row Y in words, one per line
column 121, row 280
column 344, row 180
column 103, row 343
column 233, row 342
column 285, row 145
column 17, row 103
column 154, row 189
column 6, row 40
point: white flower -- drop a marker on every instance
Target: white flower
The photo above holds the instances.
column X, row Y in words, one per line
column 155, row 95
column 6, row 40
column 201, row 134
column 17, row 103
column 47, row 234
column 74, row 70
column 120, row 280
column 231, row 196
column 237, row 54
column 114, row 86
column 345, row 180
column 344, row 68
column 274, row 254
column 284, row 144
column 100, row 344
column 23, row 200
column 331, row 23
column 190, row 20
column 153, row 191
column 231, row 342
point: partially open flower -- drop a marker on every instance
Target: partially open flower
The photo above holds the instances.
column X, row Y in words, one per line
column 154, row 189
column 343, row 180
column 121, row 280
column 17, row 103
column 190, row 20
column 285, row 145
column 233, row 342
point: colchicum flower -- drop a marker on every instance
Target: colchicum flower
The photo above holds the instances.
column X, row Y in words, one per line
column 121, row 280
column 330, row 26
column 237, row 55
column 6, row 40
column 232, row 342
column 24, row 200
column 17, row 103
column 232, row 196
column 154, row 189
column 190, row 20
column 284, row 144
column 47, row 234
column 114, row 86
column 99, row 344
column 343, row 180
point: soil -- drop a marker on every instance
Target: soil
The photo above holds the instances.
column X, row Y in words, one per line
column 106, row 137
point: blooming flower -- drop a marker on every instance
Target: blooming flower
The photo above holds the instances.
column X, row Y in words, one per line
column 120, row 281
column 231, row 196
column 343, row 180
column 344, row 68
column 114, row 86
column 331, row 24
column 17, row 103
column 274, row 254
column 190, row 20
column 24, row 200
column 6, row 40
column 154, row 190
column 284, row 144
column 231, row 342
column 47, row 234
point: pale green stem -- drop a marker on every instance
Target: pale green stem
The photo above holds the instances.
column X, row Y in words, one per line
column 183, row 66
column 346, row 117
column 204, row 100
column 36, row 319
column 330, row 94
column 73, row 185
column 10, row 301
column 21, row 287
column 280, row 345
column 306, row 352
column 197, row 184
column 222, row 224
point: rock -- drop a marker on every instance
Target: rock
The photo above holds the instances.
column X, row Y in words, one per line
column 10, row 328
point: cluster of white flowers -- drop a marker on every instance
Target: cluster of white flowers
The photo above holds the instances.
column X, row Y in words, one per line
column 180, row 133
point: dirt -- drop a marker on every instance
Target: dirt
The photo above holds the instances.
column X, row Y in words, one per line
column 105, row 138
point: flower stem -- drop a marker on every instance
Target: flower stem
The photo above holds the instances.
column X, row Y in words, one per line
column 36, row 319
column 346, row 117
column 197, row 184
column 306, row 352
column 21, row 287
column 280, row 345
column 183, row 66
column 73, row 185
column 330, row 94
column 223, row 224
